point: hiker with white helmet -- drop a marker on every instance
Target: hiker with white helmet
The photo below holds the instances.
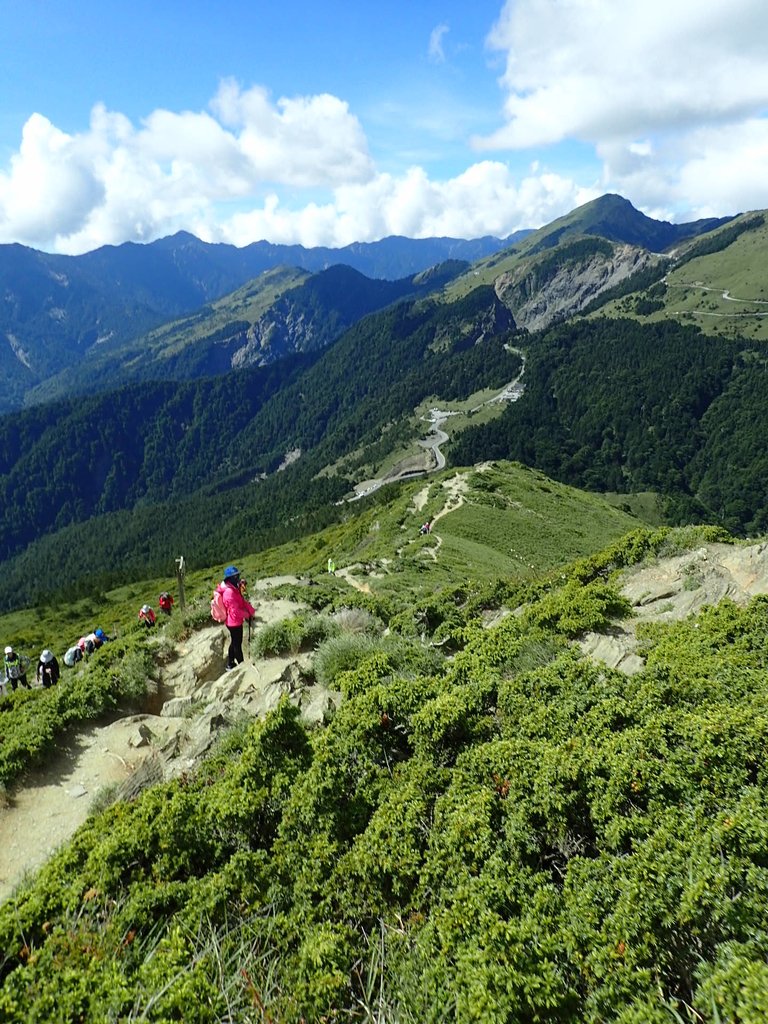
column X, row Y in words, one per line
column 147, row 616
column 16, row 668
column 48, row 670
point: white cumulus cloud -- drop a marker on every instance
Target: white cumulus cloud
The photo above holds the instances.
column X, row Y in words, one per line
column 485, row 199
column 665, row 103
column 119, row 181
column 672, row 96
column 606, row 69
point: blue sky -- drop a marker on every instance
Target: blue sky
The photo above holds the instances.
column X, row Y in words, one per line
column 332, row 123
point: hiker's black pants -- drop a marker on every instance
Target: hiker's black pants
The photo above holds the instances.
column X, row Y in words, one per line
column 235, row 652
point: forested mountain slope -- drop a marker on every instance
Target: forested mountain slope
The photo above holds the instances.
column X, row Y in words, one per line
column 187, row 461
column 57, row 310
column 609, row 404
column 279, row 314
column 613, row 405
column 61, row 311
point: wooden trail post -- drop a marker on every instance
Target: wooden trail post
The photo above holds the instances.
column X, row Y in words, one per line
column 180, row 570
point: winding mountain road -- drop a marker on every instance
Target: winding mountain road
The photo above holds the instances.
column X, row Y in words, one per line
column 725, row 295
column 437, row 436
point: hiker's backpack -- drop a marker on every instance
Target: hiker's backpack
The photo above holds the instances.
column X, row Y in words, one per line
column 73, row 655
column 218, row 608
column 165, row 600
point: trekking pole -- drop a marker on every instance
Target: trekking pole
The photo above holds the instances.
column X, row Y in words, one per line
column 250, row 656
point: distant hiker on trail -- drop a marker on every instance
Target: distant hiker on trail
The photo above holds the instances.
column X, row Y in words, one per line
column 146, row 616
column 48, row 670
column 238, row 611
column 16, row 668
column 331, row 566
column 100, row 635
column 166, row 602
column 426, row 527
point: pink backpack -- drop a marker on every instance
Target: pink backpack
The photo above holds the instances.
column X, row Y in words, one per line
column 218, row 609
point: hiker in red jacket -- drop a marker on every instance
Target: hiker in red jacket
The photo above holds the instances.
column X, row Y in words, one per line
column 238, row 611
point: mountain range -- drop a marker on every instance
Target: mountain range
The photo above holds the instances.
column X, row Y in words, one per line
column 58, row 310
column 182, row 414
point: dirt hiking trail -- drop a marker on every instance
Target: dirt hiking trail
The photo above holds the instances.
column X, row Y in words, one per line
column 196, row 698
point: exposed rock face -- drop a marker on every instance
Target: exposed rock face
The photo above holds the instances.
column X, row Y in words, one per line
column 671, row 589
column 539, row 294
column 281, row 331
column 473, row 329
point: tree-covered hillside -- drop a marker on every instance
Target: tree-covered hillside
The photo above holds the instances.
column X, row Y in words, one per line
column 277, row 315
column 614, row 405
column 610, row 405
column 58, row 310
column 166, row 463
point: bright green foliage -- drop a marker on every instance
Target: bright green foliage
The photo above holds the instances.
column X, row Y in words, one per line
column 292, row 635
column 353, row 662
column 511, row 833
column 30, row 721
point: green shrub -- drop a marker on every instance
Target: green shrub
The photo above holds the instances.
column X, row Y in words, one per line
column 514, row 833
column 341, row 654
column 289, row 636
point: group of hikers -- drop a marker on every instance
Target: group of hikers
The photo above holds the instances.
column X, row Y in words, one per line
column 229, row 606
column 147, row 616
column 48, row 671
column 16, row 665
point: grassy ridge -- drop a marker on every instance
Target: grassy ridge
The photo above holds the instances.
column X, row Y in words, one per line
column 723, row 292
column 547, row 523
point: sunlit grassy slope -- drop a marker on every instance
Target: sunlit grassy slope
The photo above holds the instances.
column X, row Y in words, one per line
column 723, row 293
column 496, row 520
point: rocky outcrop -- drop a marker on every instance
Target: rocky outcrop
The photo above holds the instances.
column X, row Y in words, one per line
column 671, row 589
column 282, row 331
column 552, row 287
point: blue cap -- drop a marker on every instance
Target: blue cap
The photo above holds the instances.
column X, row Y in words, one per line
column 231, row 571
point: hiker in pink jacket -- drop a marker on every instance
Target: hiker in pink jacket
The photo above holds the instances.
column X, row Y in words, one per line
column 238, row 611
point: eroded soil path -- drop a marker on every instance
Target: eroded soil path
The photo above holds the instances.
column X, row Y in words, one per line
column 196, row 698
